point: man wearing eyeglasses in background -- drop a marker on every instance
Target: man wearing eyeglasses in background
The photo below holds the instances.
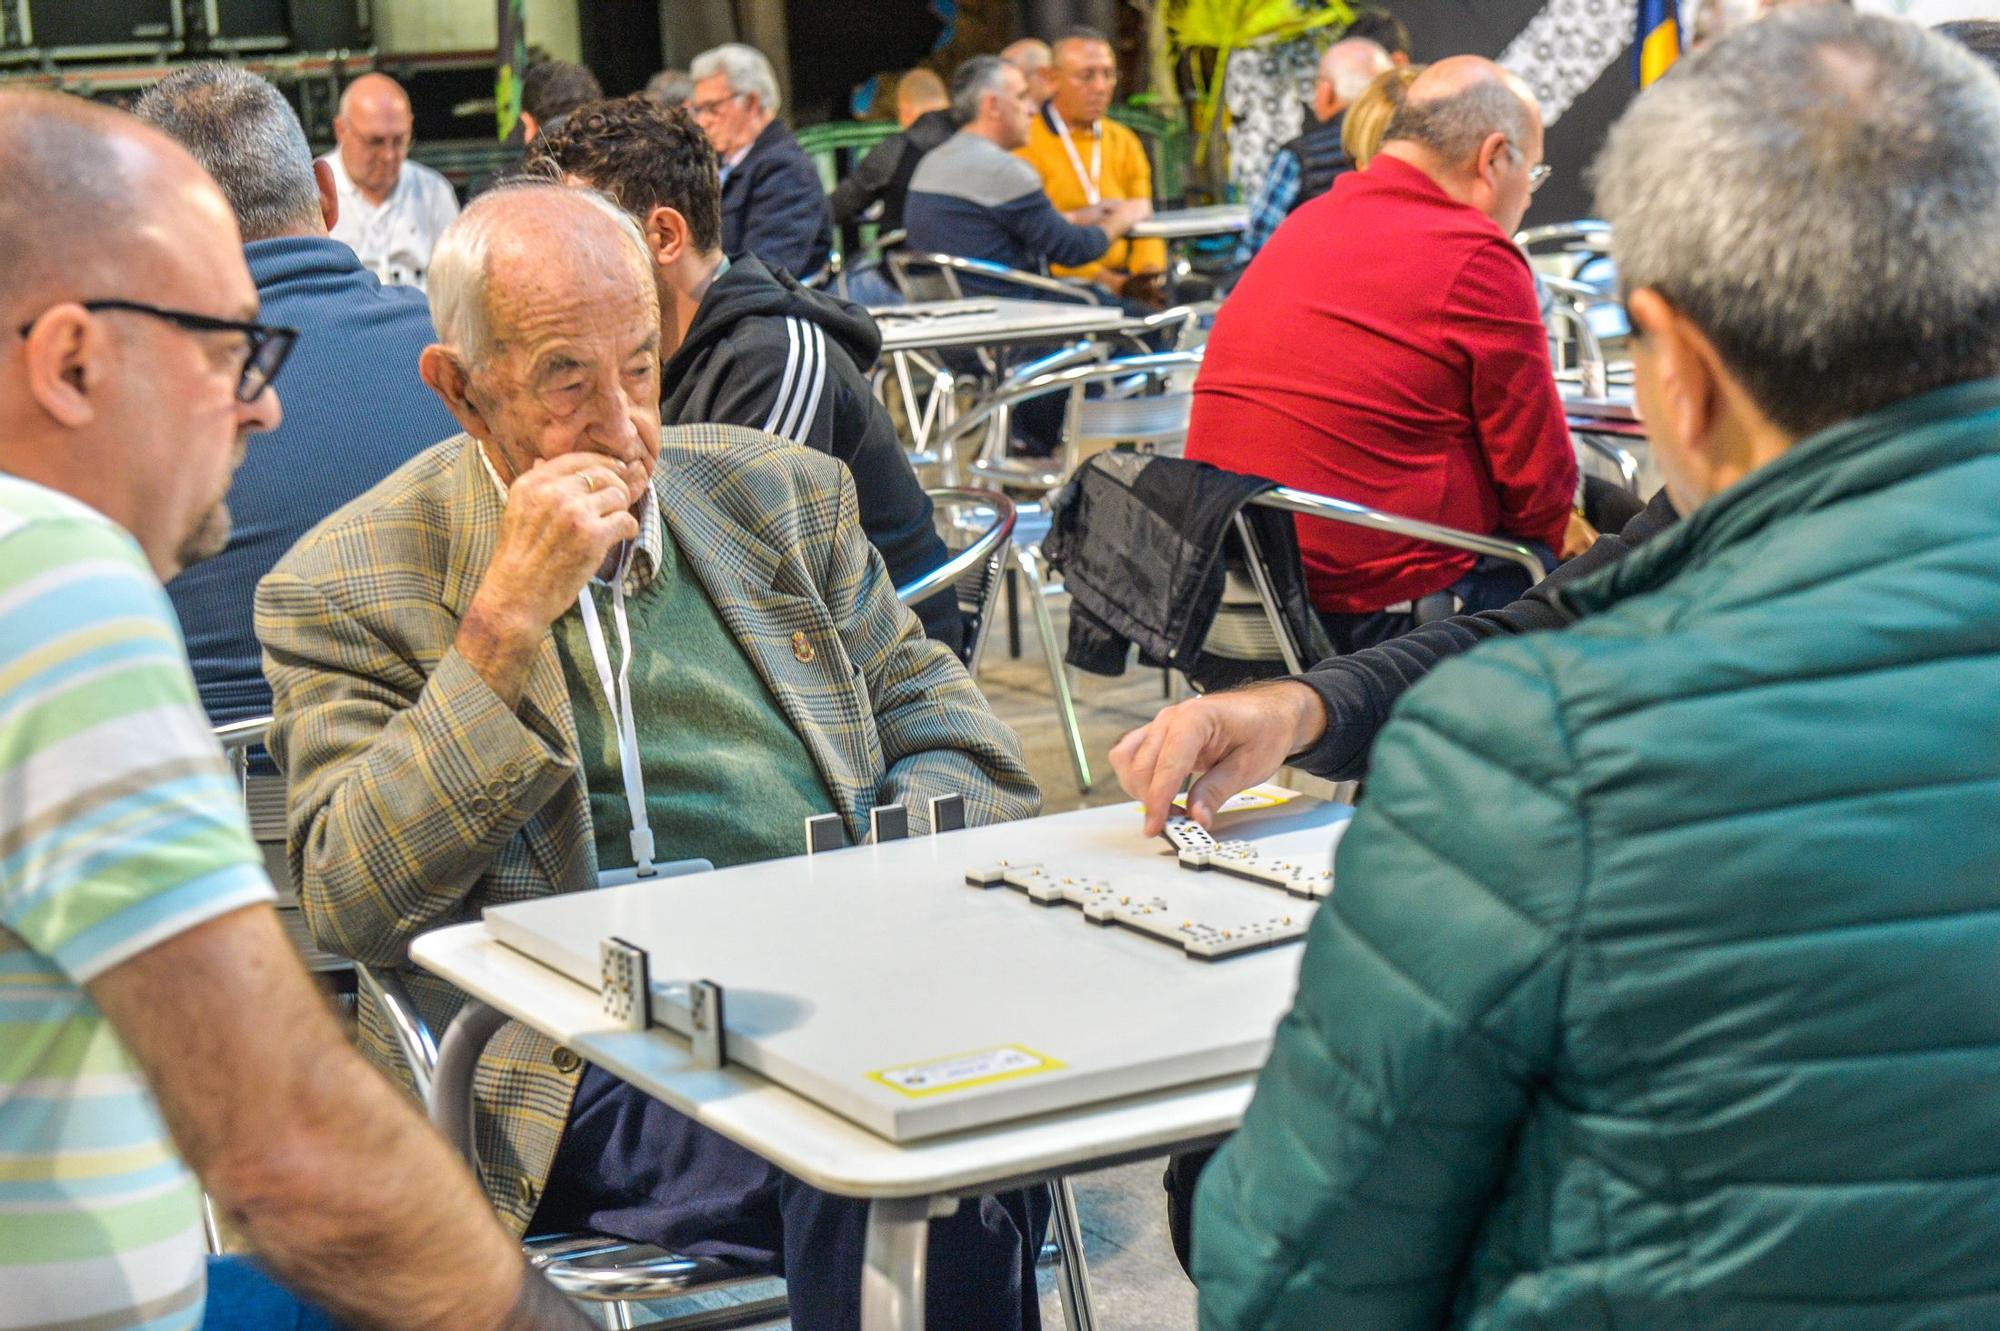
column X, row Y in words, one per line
column 1386, row 347
column 355, row 406
column 773, row 203
column 392, row 210
column 157, row 1019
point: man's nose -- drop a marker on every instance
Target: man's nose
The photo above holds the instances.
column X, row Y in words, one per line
column 262, row 413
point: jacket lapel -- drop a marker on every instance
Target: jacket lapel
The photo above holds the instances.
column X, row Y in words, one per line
column 475, row 509
column 766, row 600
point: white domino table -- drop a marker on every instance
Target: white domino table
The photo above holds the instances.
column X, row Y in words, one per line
column 896, row 1033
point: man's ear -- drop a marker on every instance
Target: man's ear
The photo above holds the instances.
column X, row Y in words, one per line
column 1688, row 376
column 530, row 128
column 1487, row 165
column 449, row 378
column 667, row 235
column 329, row 196
column 66, row 357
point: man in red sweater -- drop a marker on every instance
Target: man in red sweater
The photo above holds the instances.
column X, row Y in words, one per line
column 1386, row 347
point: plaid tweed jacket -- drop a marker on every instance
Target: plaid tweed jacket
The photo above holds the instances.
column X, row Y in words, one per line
column 417, row 798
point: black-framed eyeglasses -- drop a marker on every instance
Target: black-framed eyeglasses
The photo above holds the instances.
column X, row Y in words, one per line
column 267, row 344
column 703, row 110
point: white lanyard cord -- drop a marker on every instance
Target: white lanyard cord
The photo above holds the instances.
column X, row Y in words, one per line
column 1092, row 192
column 618, row 694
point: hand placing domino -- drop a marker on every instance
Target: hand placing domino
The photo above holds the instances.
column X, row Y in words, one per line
column 1192, row 840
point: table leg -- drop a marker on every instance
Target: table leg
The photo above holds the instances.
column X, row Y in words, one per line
column 892, row 1271
column 1073, row 1280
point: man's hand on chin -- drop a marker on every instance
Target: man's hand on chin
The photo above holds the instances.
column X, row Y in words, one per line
column 564, row 517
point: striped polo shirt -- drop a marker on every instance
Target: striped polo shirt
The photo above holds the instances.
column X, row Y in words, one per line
column 119, row 828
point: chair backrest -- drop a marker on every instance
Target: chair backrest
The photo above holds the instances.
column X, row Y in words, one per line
column 977, row 527
column 1250, row 596
column 1145, row 402
column 916, row 271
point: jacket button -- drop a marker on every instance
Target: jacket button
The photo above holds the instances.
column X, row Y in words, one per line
column 565, row 1059
column 497, row 789
column 525, row 1190
column 512, row 771
column 480, row 805
column 802, row 647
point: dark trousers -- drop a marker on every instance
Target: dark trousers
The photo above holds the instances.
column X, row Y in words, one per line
column 1490, row 584
column 631, row 1167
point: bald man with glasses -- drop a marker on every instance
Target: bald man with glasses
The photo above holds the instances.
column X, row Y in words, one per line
column 160, row 1035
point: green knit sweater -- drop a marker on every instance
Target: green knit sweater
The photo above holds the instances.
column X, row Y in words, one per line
column 727, row 778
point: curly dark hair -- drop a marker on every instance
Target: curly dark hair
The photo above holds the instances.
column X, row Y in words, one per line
column 643, row 155
column 1378, row 25
column 552, row 89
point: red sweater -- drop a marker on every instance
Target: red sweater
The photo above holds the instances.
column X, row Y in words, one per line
column 1385, row 347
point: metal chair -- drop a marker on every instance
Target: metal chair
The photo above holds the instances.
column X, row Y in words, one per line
column 593, row 1268
column 1251, row 626
column 977, row 526
column 928, row 275
column 1576, row 243
column 1146, row 404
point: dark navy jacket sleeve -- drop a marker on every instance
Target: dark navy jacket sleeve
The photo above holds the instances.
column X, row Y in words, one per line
column 800, row 388
column 786, row 225
column 869, row 180
column 1358, row 690
column 1046, row 233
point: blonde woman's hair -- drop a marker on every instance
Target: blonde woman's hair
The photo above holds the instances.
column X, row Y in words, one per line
column 1368, row 119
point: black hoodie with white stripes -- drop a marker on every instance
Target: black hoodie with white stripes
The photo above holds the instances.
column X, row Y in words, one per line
column 765, row 352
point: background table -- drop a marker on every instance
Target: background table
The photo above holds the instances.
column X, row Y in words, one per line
column 1225, row 219
column 980, row 322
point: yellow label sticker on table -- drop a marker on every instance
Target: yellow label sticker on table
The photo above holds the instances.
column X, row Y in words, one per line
column 1266, row 796
column 960, row 1072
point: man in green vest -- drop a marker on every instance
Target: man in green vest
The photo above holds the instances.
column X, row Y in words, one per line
column 1659, row 986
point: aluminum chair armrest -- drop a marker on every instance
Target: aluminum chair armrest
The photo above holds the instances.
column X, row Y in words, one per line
column 414, row 1040
column 1585, row 233
column 1360, row 515
column 974, row 555
column 240, row 735
column 1014, row 393
column 1053, row 286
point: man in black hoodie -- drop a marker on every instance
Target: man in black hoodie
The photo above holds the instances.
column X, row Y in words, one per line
column 744, row 344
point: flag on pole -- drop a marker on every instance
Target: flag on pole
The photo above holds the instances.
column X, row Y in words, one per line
column 1659, row 41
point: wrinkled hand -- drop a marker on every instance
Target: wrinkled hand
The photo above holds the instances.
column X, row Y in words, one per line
column 1577, row 537
column 1233, row 739
column 564, row 517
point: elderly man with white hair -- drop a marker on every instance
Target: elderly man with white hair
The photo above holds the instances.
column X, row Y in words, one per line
column 567, row 648
column 1306, row 167
column 773, row 203
column 1658, row 990
column 392, row 210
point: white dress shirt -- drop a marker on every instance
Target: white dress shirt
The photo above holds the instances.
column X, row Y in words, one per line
column 394, row 238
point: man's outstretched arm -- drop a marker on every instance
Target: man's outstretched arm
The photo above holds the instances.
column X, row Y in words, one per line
column 343, row 1189
column 1325, row 721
